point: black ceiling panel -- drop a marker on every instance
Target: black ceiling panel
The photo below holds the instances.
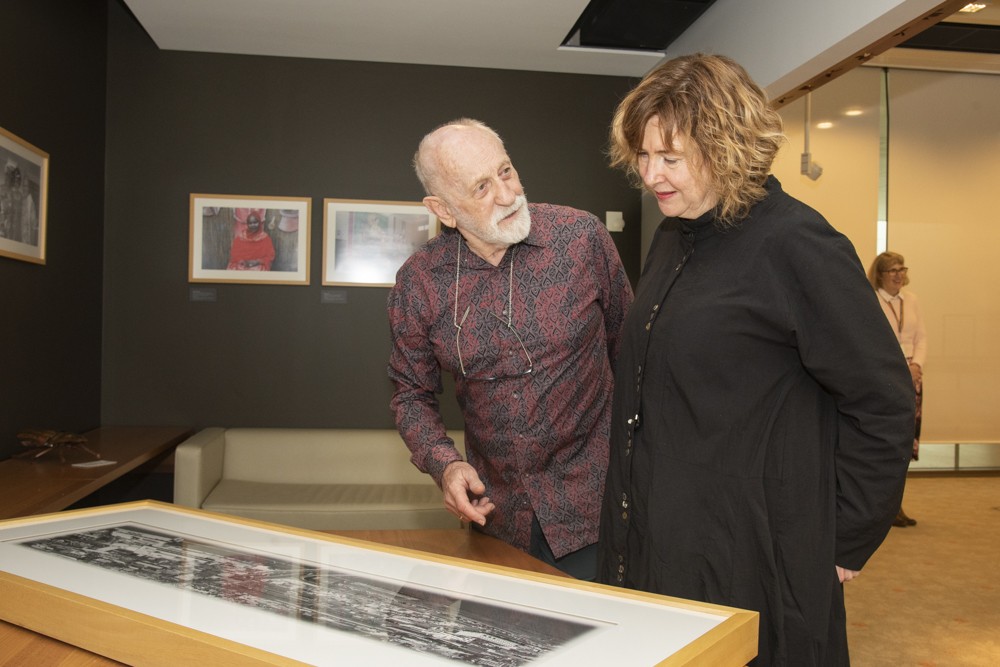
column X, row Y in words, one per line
column 652, row 25
column 974, row 38
column 635, row 24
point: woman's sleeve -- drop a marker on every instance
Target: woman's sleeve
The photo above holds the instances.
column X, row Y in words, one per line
column 846, row 344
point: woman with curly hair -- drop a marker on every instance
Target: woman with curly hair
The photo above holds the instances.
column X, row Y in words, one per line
column 759, row 436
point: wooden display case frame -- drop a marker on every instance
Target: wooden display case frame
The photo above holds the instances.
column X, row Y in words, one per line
column 55, row 579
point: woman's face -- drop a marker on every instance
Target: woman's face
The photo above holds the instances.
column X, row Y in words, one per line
column 893, row 277
column 675, row 176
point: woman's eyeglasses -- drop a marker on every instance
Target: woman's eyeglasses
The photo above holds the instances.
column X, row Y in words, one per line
column 899, row 270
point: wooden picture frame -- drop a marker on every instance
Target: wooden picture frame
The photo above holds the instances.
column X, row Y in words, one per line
column 24, row 194
column 239, row 239
column 156, row 583
column 365, row 242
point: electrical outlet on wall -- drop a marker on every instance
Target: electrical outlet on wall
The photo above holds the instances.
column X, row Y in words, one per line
column 614, row 221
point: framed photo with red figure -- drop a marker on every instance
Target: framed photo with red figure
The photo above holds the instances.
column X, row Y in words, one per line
column 238, row 239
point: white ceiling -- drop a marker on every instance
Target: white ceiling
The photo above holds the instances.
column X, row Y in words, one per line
column 510, row 34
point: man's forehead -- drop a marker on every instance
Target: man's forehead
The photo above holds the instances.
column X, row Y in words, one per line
column 472, row 156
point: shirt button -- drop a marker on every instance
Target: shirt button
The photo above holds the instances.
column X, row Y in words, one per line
column 620, row 578
column 515, row 395
column 648, row 326
column 624, row 516
column 621, row 569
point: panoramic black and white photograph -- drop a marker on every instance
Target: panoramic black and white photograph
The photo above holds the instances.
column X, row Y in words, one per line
column 464, row 629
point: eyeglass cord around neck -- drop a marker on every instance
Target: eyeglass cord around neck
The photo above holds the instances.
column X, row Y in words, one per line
column 510, row 287
column 510, row 314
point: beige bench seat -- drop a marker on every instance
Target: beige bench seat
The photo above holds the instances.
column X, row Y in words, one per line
column 321, row 479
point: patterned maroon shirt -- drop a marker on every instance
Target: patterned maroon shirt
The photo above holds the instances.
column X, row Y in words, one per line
column 538, row 439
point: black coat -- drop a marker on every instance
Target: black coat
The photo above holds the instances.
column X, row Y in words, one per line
column 762, row 425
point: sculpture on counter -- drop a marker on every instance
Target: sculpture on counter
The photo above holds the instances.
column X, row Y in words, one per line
column 42, row 441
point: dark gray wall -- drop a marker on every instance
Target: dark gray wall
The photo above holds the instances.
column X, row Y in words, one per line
column 52, row 69
column 182, row 123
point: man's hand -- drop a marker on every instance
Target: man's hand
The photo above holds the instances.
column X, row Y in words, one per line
column 846, row 575
column 463, row 493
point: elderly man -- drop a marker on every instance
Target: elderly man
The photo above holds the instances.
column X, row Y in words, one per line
column 523, row 304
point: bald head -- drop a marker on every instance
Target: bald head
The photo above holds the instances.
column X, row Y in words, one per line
column 431, row 161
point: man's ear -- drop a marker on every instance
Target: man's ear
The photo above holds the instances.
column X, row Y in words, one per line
column 438, row 207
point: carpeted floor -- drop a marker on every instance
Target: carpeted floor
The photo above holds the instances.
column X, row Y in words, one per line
column 930, row 596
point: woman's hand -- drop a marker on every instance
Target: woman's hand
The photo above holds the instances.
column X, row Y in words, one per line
column 846, row 575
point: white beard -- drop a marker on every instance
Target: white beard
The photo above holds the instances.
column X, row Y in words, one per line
column 518, row 227
column 514, row 231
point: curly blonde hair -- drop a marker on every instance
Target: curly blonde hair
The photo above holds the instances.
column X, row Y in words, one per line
column 712, row 100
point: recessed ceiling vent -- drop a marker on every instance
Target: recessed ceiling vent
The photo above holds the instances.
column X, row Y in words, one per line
column 643, row 25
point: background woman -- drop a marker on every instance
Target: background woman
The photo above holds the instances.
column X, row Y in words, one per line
column 762, row 418
column 888, row 276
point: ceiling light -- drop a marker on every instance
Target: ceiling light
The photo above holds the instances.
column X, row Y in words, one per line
column 825, row 125
column 853, row 112
column 972, row 8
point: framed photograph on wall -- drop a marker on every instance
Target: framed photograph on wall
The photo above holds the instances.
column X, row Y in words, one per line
column 365, row 242
column 238, row 239
column 142, row 579
column 24, row 192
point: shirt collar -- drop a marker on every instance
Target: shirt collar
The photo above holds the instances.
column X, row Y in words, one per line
column 536, row 237
column 888, row 297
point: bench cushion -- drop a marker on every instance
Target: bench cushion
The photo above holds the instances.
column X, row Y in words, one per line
column 334, row 506
column 321, row 456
